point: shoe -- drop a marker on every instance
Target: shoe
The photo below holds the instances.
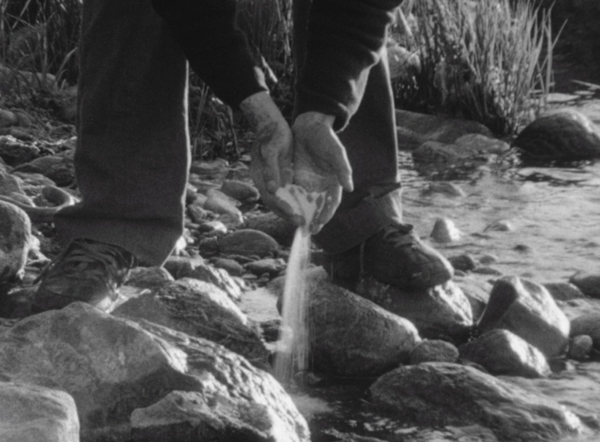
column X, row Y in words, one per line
column 394, row 255
column 86, row 271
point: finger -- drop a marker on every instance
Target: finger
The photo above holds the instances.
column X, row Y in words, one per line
column 338, row 160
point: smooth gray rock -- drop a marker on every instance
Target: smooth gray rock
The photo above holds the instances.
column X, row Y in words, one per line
column 561, row 134
column 240, row 191
column 352, row 336
column 232, row 267
column 503, row 353
column 29, row 413
column 563, row 291
column 272, row 266
column 200, row 309
column 580, row 347
column 588, row 283
column 273, row 225
column 477, row 292
column 534, row 316
column 245, row 242
column 15, row 241
column 439, row 393
column 433, row 350
column 222, row 204
column 587, row 324
column 441, row 312
column 445, row 231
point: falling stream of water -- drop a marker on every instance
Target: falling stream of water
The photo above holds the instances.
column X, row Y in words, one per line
column 293, row 354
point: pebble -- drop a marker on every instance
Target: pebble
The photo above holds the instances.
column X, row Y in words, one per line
column 445, row 231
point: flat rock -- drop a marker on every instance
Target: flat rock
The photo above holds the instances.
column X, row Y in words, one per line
column 200, row 309
column 440, row 312
column 477, row 292
column 534, row 316
column 231, row 266
column 560, row 135
column 501, row 352
column 30, row 413
column 15, row 241
column 440, row 393
column 272, row 266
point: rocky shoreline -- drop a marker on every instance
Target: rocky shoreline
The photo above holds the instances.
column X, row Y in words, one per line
column 486, row 356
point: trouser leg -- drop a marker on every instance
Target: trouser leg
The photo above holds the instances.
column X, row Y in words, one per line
column 372, row 148
column 132, row 153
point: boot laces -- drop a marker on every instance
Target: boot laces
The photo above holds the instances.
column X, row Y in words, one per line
column 92, row 260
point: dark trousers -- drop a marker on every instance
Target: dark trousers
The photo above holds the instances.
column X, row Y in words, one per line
column 133, row 154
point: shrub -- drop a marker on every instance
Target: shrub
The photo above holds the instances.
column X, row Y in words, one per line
column 488, row 61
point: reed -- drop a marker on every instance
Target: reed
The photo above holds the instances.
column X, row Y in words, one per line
column 488, row 61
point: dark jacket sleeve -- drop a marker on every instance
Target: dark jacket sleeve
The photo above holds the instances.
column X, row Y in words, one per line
column 345, row 38
column 216, row 49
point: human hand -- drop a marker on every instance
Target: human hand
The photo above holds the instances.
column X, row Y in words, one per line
column 271, row 166
column 321, row 166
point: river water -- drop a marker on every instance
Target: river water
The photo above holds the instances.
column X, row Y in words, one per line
column 554, row 219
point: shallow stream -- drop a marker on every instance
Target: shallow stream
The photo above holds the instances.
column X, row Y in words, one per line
column 554, row 218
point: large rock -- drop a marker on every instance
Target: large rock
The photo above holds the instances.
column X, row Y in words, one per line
column 503, row 353
column 273, row 225
column 225, row 377
column 352, row 336
column 201, row 309
column 29, row 413
column 560, row 135
column 440, row 312
column 440, row 394
column 415, row 129
column 15, row 241
column 534, row 316
column 111, row 366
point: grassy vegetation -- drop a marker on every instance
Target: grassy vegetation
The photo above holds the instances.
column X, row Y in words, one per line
column 488, row 61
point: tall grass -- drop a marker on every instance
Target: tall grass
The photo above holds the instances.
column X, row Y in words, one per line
column 41, row 36
column 488, row 61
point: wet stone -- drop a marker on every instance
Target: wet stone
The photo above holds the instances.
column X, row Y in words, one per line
column 580, row 347
column 588, row 283
column 444, row 231
column 501, row 352
column 433, row 350
column 463, row 262
column 563, row 291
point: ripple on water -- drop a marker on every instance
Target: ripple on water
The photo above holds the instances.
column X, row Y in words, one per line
column 555, row 215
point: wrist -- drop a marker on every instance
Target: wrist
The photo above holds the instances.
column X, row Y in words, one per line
column 312, row 117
